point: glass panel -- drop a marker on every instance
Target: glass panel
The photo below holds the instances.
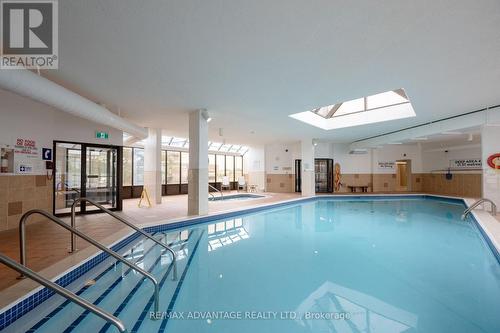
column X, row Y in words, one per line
column 101, row 165
column 173, row 167
column 238, row 166
column 211, row 168
column 163, row 166
column 214, row 146
column 384, row 99
column 184, row 167
column 224, row 148
column 351, row 106
column 67, row 176
column 178, row 142
column 221, row 167
column 138, row 167
column 127, row 166
column 230, row 167
column 234, row 148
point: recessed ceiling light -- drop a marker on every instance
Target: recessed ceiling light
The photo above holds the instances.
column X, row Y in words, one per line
column 420, row 139
column 451, row 133
column 395, row 143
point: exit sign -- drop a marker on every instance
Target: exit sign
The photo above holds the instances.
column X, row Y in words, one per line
column 101, row 135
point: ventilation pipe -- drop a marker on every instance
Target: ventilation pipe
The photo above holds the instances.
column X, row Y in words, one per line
column 28, row 84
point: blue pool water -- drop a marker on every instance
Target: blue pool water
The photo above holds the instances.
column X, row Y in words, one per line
column 405, row 265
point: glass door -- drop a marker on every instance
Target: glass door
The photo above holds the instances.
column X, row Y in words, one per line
column 67, row 176
column 100, row 183
column 86, row 170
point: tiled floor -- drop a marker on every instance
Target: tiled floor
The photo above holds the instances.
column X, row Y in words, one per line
column 48, row 243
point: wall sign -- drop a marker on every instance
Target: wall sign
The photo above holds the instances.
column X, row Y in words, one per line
column 26, row 147
column 101, row 135
column 386, row 165
column 471, row 163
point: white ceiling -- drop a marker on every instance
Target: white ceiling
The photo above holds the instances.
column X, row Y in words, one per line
column 252, row 63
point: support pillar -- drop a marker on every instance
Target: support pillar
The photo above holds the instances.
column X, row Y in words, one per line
column 198, row 164
column 152, row 165
column 308, row 181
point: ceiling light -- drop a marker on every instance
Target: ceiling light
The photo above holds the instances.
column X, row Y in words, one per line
column 451, row 133
column 395, row 143
column 420, row 139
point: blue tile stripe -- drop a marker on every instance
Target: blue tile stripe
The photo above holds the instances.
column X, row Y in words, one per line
column 79, row 292
column 124, row 303
column 18, row 310
column 179, row 286
column 162, row 282
column 112, row 286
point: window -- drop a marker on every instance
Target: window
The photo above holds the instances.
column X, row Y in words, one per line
column 173, row 167
column 230, row 167
column 211, row 168
column 127, row 166
column 163, row 167
column 238, row 167
column 184, row 167
column 221, row 167
column 138, row 178
column 389, row 105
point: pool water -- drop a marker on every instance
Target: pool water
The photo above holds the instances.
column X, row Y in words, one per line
column 402, row 265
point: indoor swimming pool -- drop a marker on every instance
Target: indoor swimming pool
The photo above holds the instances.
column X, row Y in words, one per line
column 376, row 264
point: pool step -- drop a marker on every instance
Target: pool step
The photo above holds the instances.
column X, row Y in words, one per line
column 115, row 282
column 135, row 309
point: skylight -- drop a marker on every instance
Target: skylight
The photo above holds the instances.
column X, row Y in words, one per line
column 389, row 105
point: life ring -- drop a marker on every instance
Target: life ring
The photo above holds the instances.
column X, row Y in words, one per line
column 494, row 161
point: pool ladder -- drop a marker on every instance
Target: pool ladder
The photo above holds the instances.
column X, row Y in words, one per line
column 63, row 292
column 217, row 190
column 122, row 220
column 477, row 203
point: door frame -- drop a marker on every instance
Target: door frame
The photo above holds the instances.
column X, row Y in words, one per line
column 83, row 180
column 408, row 187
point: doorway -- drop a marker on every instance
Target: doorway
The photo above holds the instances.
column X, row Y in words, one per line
column 323, row 175
column 86, row 170
column 403, row 175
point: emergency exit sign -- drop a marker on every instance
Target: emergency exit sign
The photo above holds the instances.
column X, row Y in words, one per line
column 101, row 135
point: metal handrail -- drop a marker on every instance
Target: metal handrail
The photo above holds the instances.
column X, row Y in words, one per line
column 63, row 292
column 215, row 188
column 22, row 245
column 124, row 221
column 477, row 203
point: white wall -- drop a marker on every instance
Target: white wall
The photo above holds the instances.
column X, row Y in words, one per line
column 393, row 153
column 280, row 161
column 440, row 160
column 23, row 118
column 254, row 165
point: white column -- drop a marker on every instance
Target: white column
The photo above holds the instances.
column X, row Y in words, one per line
column 198, row 164
column 490, row 144
column 307, row 168
column 152, row 165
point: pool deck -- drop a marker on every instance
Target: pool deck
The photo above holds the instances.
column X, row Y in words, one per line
column 48, row 244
